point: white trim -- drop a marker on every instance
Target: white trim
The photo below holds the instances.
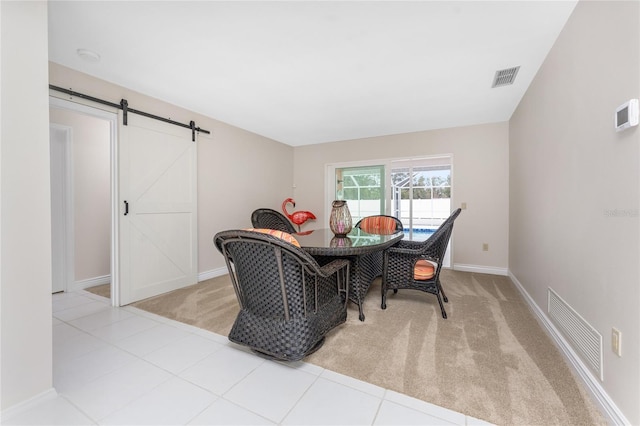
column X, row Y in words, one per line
column 479, row 269
column 89, row 282
column 115, row 212
column 606, row 404
column 81, row 105
column 33, row 402
column 65, row 184
column 212, row 273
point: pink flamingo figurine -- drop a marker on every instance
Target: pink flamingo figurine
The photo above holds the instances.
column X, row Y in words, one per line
column 298, row 217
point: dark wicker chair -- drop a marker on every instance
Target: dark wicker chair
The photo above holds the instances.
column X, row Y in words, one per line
column 271, row 219
column 376, row 224
column 288, row 303
column 401, row 272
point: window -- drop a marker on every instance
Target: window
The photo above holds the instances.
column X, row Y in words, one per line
column 417, row 191
column 363, row 188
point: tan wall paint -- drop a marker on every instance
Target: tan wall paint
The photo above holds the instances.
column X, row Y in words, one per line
column 575, row 185
column 480, row 178
column 25, row 205
column 238, row 171
column 92, row 192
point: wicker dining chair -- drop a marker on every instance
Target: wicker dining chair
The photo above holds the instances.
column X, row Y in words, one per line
column 417, row 265
column 288, row 303
column 380, row 224
column 271, row 219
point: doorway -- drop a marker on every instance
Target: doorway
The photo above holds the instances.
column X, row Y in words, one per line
column 421, row 194
column 152, row 207
column 421, row 197
column 82, row 191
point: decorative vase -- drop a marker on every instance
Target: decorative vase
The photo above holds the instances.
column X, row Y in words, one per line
column 340, row 220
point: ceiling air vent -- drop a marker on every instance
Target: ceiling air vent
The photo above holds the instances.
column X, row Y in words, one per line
column 505, row 77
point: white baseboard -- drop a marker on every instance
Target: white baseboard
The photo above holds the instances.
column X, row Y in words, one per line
column 606, row 404
column 90, row 282
column 106, row 279
column 480, row 269
column 5, row 415
column 212, row 273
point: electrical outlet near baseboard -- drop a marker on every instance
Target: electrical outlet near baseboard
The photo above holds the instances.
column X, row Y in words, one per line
column 485, row 247
column 616, row 341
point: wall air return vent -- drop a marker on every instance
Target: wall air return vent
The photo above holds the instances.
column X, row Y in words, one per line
column 505, row 77
column 585, row 339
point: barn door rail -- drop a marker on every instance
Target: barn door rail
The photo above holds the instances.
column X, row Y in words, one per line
column 124, row 106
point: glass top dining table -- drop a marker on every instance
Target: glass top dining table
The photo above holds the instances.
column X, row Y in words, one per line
column 324, row 242
column 364, row 250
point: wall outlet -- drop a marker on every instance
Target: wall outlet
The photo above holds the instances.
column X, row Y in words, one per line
column 485, row 247
column 463, row 206
column 616, row 341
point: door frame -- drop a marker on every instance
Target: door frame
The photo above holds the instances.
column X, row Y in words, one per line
column 112, row 118
column 62, row 215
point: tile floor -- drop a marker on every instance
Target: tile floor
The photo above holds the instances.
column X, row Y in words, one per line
column 125, row 366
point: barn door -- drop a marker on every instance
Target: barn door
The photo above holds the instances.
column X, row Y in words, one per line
column 158, row 206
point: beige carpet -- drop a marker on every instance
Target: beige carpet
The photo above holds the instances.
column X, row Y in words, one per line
column 490, row 359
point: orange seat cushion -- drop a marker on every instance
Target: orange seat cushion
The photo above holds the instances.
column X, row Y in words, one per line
column 278, row 234
column 378, row 225
column 424, row 270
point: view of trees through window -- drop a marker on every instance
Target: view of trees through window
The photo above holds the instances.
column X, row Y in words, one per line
column 426, row 182
column 421, row 195
column 362, row 188
column 363, row 185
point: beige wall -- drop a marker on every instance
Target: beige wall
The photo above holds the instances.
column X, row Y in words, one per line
column 480, row 179
column 92, row 192
column 575, row 185
column 25, row 226
column 260, row 174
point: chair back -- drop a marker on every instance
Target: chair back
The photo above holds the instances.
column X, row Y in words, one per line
column 380, row 224
column 271, row 219
column 287, row 301
column 436, row 245
column 271, row 277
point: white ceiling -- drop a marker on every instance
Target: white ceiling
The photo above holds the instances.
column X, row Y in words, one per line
column 305, row 72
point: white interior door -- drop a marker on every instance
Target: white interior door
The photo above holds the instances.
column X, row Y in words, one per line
column 158, row 208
